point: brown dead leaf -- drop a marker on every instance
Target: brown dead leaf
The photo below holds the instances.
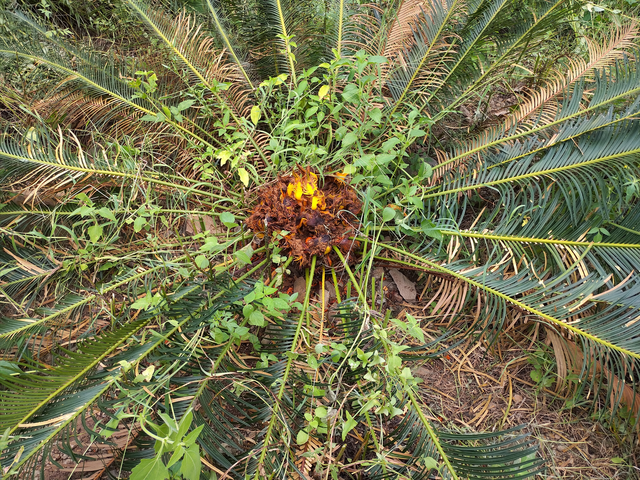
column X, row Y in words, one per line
column 300, row 287
column 311, row 213
column 405, row 286
column 195, row 224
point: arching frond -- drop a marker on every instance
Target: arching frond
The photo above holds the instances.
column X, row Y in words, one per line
column 571, row 120
column 90, row 71
column 231, row 46
column 421, row 63
column 616, row 146
column 68, row 390
column 184, row 38
column 26, row 394
column 524, row 31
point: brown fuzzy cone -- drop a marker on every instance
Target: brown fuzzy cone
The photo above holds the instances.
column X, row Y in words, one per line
column 315, row 217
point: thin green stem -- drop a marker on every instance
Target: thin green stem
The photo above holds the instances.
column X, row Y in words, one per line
column 285, row 375
column 432, row 433
column 637, row 232
column 350, row 273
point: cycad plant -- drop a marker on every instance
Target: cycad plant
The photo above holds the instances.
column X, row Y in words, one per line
column 157, row 202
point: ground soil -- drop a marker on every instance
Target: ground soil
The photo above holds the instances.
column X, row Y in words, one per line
column 477, row 392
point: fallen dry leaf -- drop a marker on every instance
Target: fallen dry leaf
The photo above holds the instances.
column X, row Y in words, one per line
column 300, row 287
column 405, row 286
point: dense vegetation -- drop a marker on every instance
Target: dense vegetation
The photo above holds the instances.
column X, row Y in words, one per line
column 159, row 193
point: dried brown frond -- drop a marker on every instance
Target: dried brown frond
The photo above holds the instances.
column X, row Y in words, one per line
column 570, row 359
column 401, row 32
column 211, row 64
column 448, row 298
column 307, row 456
column 620, row 43
column 421, row 65
column 364, row 31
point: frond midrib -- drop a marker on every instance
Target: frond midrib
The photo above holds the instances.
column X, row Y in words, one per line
column 510, row 138
column 423, row 59
column 550, row 241
column 227, row 42
column 539, row 173
column 578, row 331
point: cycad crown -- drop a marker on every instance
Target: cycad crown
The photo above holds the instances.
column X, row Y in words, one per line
column 130, row 286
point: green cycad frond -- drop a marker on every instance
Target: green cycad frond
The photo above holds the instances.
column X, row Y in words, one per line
column 601, row 312
column 185, row 39
column 268, row 31
column 421, row 67
column 452, row 76
column 22, row 217
column 603, row 154
column 40, row 403
column 571, row 120
column 70, row 392
column 25, row 394
column 473, row 78
column 476, row 32
column 563, row 234
column 73, row 302
column 502, row 455
column 210, row 380
column 234, row 398
column 40, row 166
column 103, row 82
column 87, row 70
column 21, row 456
column 474, row 456
column 287, row 18
column 338, row 14
column 251, row 33
column 224, row 81
column 571, row 299
column 67, row 307
column 451, row 61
